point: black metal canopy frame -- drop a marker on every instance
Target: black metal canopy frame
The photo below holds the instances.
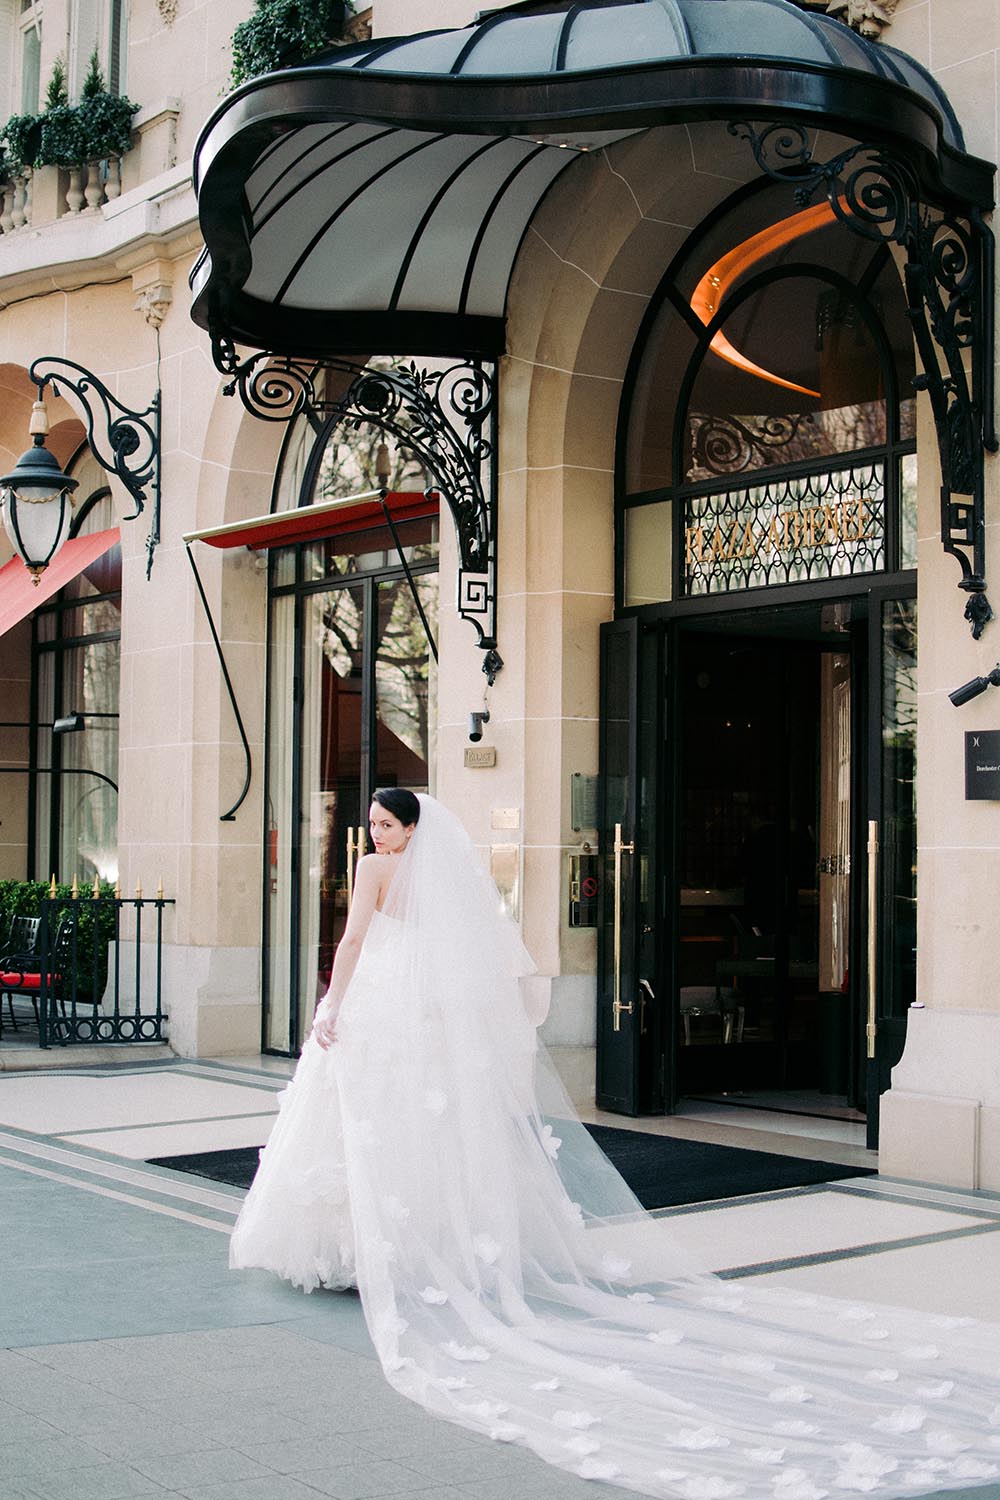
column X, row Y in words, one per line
column 375, row 200
column 446, row 417
column 949, row 276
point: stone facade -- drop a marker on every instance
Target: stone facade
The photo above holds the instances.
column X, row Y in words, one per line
column 108, row 288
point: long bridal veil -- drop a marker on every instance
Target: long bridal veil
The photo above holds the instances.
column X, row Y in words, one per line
column 513, row 1283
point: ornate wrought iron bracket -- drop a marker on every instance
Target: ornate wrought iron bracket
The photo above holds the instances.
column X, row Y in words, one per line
column 948, row 278
column 125, row 442
column 445, row 417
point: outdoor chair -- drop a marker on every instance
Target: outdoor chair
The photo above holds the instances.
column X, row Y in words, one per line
column 19, row 965
column 23, row 971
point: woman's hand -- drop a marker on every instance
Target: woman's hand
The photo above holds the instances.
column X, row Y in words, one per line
column 324, row 1025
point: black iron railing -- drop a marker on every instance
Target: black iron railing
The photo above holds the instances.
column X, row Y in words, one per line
column 101, row 965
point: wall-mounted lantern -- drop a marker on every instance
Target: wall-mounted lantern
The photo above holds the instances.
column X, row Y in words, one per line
column 37, row 497
column 37, row 500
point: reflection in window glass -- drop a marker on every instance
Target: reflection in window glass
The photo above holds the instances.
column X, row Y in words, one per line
column 791, row 376
column 279, row 822
column 908, row 511
column 405, row 683
column 333, row 688
column 77, row 669
column 88, row 763
column 898, row 836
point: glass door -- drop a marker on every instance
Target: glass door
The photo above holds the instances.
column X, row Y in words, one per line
column 632, row 935
column 351, row 707
column 891, row 838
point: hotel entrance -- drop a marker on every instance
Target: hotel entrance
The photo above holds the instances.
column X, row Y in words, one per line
column 759, row 921
column 758, row 684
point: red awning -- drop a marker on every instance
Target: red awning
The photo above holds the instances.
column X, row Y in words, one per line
column 19, row 595
column 313, row 523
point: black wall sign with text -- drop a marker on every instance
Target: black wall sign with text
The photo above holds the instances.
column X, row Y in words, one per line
column 982, row 765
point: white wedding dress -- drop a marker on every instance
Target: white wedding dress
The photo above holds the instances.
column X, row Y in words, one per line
column 513, row 1284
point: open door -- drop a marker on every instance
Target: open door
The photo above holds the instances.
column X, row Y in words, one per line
column 891, row 905
column 631, row 1032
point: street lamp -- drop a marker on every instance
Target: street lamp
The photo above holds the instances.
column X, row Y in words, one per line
column 37, row 500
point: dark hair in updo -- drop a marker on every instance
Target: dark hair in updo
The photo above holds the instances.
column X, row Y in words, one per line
column 400, row 802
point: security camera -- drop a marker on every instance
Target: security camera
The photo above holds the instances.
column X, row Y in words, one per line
column 476, row 722
column 970, row 690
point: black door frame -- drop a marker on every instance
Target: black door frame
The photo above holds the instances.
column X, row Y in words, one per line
column 652, row 1086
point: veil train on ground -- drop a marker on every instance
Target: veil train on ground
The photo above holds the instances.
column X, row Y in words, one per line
column 512, row 1282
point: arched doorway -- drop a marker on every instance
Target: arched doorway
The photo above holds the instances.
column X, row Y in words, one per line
column 759, row 696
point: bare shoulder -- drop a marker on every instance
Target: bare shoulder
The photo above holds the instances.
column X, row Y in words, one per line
column 369, row 869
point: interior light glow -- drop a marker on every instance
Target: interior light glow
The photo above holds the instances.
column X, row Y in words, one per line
column 708, row 295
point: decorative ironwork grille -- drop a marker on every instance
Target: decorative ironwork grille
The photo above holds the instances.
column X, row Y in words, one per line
column 109, row 989
column 790, row 530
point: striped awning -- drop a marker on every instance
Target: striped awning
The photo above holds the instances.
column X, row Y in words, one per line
column 374, row 200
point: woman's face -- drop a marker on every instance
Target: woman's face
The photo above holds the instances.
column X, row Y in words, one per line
column 389, row 835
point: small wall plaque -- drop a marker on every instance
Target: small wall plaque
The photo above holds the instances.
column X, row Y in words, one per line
column 583, row 801
column 982, row 765
column 480, row 757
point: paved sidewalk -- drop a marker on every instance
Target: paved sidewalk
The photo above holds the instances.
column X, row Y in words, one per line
column 133, row 1363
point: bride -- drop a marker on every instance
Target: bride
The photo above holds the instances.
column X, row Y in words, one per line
column 426, row 1152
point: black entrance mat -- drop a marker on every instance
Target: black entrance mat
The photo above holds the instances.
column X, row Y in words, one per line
column 661, row 1171
column 664, row 1172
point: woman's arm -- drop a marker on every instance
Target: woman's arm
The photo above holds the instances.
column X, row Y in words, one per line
column 363, row 902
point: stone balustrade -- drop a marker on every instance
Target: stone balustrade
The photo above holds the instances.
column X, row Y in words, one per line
column 43, row 194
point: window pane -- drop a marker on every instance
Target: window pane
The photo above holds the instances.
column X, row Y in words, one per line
column 898, row 836
column 405, row 683
column 31, row 59
column 370, row 551
column 278, row 864
column 648, row 550
column 793, row 374
column 332, row 734
column 88, row 824
column 908, row 511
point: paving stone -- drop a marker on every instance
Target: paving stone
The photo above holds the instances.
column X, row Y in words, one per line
column 45, row 1456
column 276, row 1487
column 268, row 1427
column 300, row 1456
column 366, row 1481
column 24, row 1426
column 129, row 1442
column 456, row 1467
column 433, row 1439
column 98, row 1482
column 177, row 1471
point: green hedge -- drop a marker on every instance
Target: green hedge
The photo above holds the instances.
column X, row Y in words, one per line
column 24, row 898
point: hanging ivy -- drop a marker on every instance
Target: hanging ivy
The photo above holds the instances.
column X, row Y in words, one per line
column 281, row 33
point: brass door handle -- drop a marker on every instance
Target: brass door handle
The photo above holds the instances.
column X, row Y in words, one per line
column 617, row 1007
column 871, row 1030
column 356, row 846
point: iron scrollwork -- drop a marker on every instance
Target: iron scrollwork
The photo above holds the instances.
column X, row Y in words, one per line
column 125, row 442
column 445, row 417
column 725, row 445
column 948, row 279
